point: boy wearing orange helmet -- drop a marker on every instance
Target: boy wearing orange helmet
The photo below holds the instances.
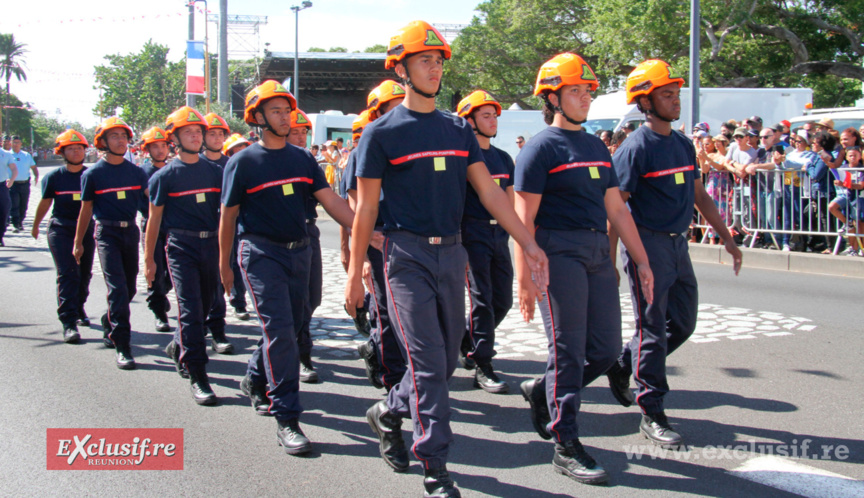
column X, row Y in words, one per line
column 62, row 188
column 660, row 182
column 111, row 192
column 422, row 160
column 267, row 186
column 490, row 270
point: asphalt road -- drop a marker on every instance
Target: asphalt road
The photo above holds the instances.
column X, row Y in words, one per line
column 773, row 364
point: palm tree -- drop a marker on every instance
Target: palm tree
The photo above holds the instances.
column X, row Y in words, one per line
column 11, row 62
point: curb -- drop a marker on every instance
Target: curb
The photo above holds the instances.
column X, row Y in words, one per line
column 820, row 264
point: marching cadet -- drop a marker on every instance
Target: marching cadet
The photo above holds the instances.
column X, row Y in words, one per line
column 111, row 192
column 300, row 128
column 184, row 205
column 267, row 186
column 490, row 271
column 216, row 132
column 660, row 182
column 155, row 143
column 234, row 144
column 62, row 188
column 422, row 160
column 566, row 188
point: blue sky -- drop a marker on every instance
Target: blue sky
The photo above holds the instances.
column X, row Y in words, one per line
column 67, row 39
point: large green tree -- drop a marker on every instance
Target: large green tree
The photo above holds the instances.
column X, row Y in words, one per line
column 11, row 64
column 18, row 117
column 145, row 85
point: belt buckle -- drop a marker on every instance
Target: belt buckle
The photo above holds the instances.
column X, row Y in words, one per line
column 203, row 235
column 493, row 221
column 435, row 241
column 124, row 224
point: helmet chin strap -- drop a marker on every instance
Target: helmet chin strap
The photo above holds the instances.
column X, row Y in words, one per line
column 654, row 113
column 210, row 148
column 70, row 163
column 478, row 132
column 109, row 151
column 267, row 126
column 407, row 81
column 559, row 110
column 184, row 149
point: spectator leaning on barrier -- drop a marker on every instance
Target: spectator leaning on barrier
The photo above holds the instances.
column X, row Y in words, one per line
column 712, row 161
column 843, row 206
column 737, row 160
column 820, row 190
column 727, row 129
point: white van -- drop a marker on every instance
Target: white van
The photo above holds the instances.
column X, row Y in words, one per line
column 330, row 125
column 843, row 118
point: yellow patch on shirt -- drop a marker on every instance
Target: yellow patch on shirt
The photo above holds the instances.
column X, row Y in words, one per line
column 440, row 164
column 595, row 173
column 200, row 197
column 679, row 178
column 121, row 194
column 76, row 197
column 287, row 189
column 497, row 181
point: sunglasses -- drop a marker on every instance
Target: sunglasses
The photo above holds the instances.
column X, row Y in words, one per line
column 764, row 137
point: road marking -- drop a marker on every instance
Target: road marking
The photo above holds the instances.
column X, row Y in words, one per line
column 797, row 478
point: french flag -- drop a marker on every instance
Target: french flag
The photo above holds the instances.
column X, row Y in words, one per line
column 195, row 67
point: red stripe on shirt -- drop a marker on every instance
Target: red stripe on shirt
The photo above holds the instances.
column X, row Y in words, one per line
column 279, row 182
column 118, row 189
column 68, row 193
column 501, row 176
column 193, row 192
column 586, row 164
column 681, row 169
column 429, row 153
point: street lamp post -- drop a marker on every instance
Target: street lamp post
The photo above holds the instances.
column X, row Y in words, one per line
column 305, row 5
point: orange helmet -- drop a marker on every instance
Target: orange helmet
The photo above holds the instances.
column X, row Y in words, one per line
column 648, row 76
column 360, row 123
column 475, row 100
column 109, row 124
column 270, row 89
column 299, row 119
column 154, row 135
column 233, row 141
column 215, row 121
column 416, row 37
column 184, row 116
column 69, row 137
column 564, row 69
column 383, row 93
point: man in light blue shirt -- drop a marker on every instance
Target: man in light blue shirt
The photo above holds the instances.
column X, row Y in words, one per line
column 20, row 190
column 8, row 174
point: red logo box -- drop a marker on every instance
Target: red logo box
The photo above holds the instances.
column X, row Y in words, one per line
column 114, row 449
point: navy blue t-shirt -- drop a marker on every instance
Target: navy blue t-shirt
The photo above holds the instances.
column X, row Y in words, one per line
column 349, row 182
column 65, row 188
column 272, row 188
column 221, row 162
column 145, row 204
column 501, row 167
column 190, row 194
column 422, row 160
column 116, row 190
column 658, row 171
column 573, row 171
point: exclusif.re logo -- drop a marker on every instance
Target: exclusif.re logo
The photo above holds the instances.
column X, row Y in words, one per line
column 114, row 449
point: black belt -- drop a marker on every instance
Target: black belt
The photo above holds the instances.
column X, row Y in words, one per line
column 64, row 222
column 310, row 221
column 665, row 234
column 493, row 221
column 297, row 244
column 432, row 241
column 192, row 233
column 118, row 224
column 18, row 182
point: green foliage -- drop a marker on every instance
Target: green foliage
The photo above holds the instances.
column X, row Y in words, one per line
column 46, row 129
column 17, row 121
column 11, row 64
column 145, row 85
column 316, row 49
column 376, row 49
column 236, row 124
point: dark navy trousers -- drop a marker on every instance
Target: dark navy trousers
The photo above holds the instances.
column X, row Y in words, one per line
column 316, row 283
column 157, row 292
column 383, row 335
column 5, row 205
column 490, row 285
column 426, row 290
column 118, row 255
column 582, row 317
column 667, row 323
column 19, row 195
column 216, row 317
column 238, row 292
column 278, row 280
column 193, row 264
column 73, row 280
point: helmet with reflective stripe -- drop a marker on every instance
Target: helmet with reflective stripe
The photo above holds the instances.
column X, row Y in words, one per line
column 110, row 124
column 383, row 93
column 474, row 101
column 185, row 116
column 648, row 76
column 233, row 141
column 69, row 137
column 564, row 69
column 270, row 89
column 215, row 121
column 360, row 123
column 416, row 37
column 299, row 119
column 154, row 135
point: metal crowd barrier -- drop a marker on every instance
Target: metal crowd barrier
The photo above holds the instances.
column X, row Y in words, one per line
column 785, row 206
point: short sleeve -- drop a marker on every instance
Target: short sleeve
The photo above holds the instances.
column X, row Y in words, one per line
column 158, row 188
column 232, row 183
column 48, row 186
column 371, row 159
column 511, row 168
column 531, row 170
column 475, row 154
column 626, row 166
column 88, row 187
column 319, row 181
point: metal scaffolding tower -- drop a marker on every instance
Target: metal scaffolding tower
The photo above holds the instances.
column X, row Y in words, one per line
column 450, row 31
